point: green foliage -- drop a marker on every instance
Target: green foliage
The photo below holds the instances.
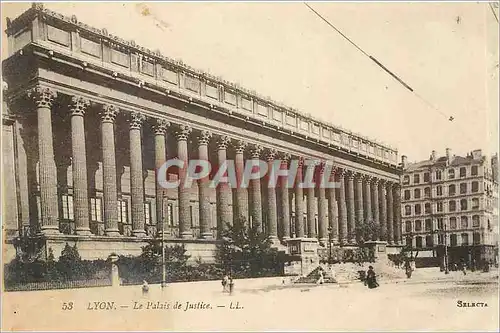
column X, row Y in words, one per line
column 366, row 231
column 246, row 252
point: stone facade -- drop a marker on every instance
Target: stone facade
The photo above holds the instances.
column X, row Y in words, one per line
column 90, row 117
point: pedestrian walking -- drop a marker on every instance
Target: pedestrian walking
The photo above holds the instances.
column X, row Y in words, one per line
column 321, row 277
column 145, row 287
column 231, row 285
column 225, row 282
column 371, row 278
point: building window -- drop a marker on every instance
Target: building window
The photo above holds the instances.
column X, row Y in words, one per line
column 123, row 211
column 476, row 238
column 453, row 240
column 439, row 190
column 440, row 239
column 418, row 242
column 463, row 204
column 407, row 210
column 464, row 222
column 451, row 173
column 408, row 226
column 452, row 206
column 452, row 190
column 409, row 241
column 463, row 172
column 428, row 224
column 67, row 207
column 438, row 175
column 439, row 206
column 463, row 188
column 465, row 239
column 406, row 180
column 418, row 209
column 453, row 222
column 427, row 208
column 96, row 209
column 475, row 203
column 440, row 223
column 418, row 225
column 407, row 194
column 473, row 170
column 427, row 192
column 428, row 241
column 416, row 178
column 147, row 213
column 426, row 177
column 475, row 186
column 475, row 221
column 416, row 193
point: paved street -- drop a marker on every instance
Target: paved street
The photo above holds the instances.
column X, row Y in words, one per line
column 266, row 304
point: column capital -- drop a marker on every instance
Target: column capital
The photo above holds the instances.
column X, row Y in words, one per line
column 79, row 105
column 42, row 96
column 204, row 138
column 359, row 176
column 389, row 184
column 300, row 161
column 223, row 141
column 160, row 126
column 382, row 181
column 182, row 132
column 367, row 178
column 375, row 180
column 255, row 151
column 240, row 146
column 270, row 154
column 136, row 120
column 350, row 174
column 109, row 112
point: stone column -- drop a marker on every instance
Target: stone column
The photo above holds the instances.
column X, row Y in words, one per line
column 272, row 213
column 359, row 199
column 43, row 98
column 382, row 210
column 160, row 129
column 284, row 218
column 182, row 133
column 79, row 167
column 241, row 204
column 136, row 175
column 390, row 213
column 375, row 201
column 256, row 208
column 367, row 199
column 351, row 213
column 203, row 189
column 342, row 204
column 109, row 170
column 333, row 212
column 397, row 214
column 299, row 202
column 223, row 190
column 322, row 208
column 311, row 207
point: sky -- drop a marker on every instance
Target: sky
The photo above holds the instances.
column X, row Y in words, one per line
column 447, row 52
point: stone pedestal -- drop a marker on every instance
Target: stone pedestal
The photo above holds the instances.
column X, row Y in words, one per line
column 305, row 251
column 114, row 275
column 379, row 250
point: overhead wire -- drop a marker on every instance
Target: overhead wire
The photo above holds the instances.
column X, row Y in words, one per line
column 379, row 64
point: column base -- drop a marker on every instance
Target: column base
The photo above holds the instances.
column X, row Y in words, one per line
column 207, row 235
column 186, row 235
column 162, row 234
column 352, row 241
column 139, row 233
column 50, row 230
column 112, row 232
column 83, row 231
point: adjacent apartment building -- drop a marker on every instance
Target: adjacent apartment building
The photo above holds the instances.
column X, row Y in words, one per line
column 451, row 202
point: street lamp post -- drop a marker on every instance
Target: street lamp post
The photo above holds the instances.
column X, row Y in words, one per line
column 330, row 239
column 444, row 232
column 163, row 259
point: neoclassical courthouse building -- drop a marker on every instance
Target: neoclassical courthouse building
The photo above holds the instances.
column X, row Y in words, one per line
column 88, row 117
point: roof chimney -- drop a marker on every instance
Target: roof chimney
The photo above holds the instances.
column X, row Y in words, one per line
column 433, row 155
column 404, row 161
column 448, row 155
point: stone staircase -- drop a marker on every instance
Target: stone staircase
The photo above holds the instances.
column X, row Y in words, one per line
column 313, row 276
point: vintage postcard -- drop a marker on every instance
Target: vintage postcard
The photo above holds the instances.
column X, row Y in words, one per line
column 250, row 166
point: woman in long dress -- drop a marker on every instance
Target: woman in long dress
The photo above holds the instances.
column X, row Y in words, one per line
column 371, row 279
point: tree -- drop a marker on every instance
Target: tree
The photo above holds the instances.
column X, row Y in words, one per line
column 366, row 231
column 247, row 251
column 70, row 264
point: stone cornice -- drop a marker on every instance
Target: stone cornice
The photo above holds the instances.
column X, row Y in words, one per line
column 38, row 10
